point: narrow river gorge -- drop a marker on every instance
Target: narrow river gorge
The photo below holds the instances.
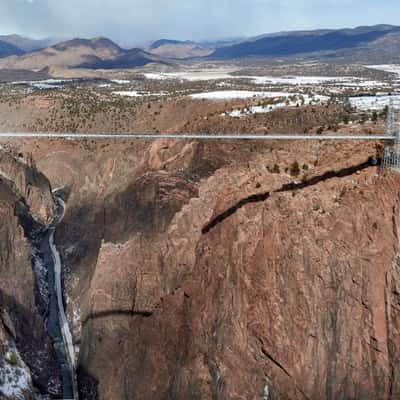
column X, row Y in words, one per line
column 48, row 272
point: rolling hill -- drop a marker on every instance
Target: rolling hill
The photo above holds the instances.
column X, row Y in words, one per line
column 98, row 53
column 127, row 59
column 179, row 49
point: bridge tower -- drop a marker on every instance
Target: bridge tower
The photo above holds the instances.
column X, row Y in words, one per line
column 391, row 152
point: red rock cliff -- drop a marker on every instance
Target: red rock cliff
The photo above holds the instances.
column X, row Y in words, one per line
column 239, row 283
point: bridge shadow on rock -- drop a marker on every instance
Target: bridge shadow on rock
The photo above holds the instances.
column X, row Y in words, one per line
column 81, row 229
column 115, row 313
column 255, row 198
column 329, row 175
column 147, row 206
column 258, row 198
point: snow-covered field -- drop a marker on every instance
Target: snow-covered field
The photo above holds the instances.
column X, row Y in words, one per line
column 365, row 103
column 296, row 80
column 394, row 68
column 217, row 74
column 44, row 84
column 193, row 76
column 365, row 84
column 236, row 94
column 345, row 81
column 207, row 75
column 287, row 100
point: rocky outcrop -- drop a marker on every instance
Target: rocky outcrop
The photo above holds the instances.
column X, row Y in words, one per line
column 26, row 206
column 31, row 189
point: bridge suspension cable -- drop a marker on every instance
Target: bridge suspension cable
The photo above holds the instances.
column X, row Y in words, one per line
column 227, row 136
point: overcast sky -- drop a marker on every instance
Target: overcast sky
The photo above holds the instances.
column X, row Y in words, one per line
column 138, row 21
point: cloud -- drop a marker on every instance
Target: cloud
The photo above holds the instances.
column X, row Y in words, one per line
column 135, row 21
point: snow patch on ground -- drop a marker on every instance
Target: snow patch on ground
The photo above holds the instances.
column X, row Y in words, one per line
column 288, row 100
column 366, row 84
column 265, row 395
column 394, row 68
column 216, row 74
column 208, row 75
column 192, row 76
column 135, row 93
column 76, row 327
column 76, row 317
column 374, row 103
column 345, row 81
column 44, row 84
column 15, row 377
column 296, row 80
column 120, row 81
column 236, row 94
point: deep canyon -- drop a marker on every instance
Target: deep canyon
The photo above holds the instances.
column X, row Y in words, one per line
column 200, row 270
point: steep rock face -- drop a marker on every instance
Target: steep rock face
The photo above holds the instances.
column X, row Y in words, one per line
column 25, row 202
column 298, row 299
column 29, row 184
column 188, row 262
column 245, row 284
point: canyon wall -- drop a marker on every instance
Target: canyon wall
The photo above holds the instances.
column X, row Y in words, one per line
column 26, row 355
column 215, row 271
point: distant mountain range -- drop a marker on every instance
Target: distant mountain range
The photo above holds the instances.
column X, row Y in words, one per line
column 375, row 44
column 319, row 43
column 25, row 44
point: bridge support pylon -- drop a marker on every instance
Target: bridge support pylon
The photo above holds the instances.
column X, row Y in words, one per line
column 391, row 152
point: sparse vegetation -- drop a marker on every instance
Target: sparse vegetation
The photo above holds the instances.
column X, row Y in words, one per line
column 295, row 169
column 276, row 169
column 12, row 358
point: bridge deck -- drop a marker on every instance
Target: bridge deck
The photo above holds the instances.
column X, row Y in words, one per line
column 149, row 136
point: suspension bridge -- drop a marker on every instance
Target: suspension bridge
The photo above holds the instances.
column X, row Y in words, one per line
column 392, row 134
column 390, row 156
column 182, row 136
